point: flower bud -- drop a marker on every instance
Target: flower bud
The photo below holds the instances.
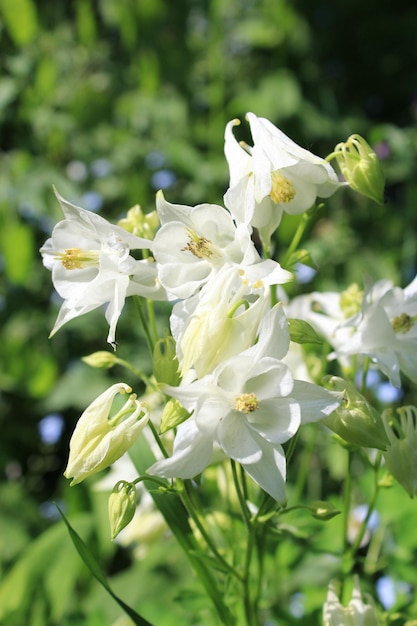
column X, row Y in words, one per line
column 122, row 506
column 356, row 613
column 401, row 457
column 361, row 167
column 165, row 362
column 101, row 359
column 139, row 223
column 172, row 415
column 323, row 510
column 100, row 439
column 355, row 420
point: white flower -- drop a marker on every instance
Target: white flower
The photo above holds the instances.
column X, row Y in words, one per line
column 99, row 439
column 356, row 613
column 385, row 330
column 249, row 405
column 218, row 322
column 195, row 242
column 273, row 176
column 91, row 266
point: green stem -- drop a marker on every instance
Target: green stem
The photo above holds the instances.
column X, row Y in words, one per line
column 362, row 530
column 297, row 237
column 138, row 303
column 192, row 511
column 346, row 557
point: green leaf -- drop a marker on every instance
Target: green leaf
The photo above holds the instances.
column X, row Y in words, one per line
column 21, row 20
column 302, row 332
column 301, row 256
column 92, row 564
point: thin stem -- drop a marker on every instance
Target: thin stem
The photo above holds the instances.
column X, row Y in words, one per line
column 138, row 302
column 240, row 495
column 297, row 237
column 346, row 563
column 355, row 545
column 158, row 439
column 192, row 511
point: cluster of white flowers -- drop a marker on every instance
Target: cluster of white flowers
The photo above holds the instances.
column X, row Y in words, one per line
column 230, row 341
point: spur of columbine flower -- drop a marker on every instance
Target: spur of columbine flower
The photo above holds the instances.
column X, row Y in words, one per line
column 248, row 406
column 99, row 438
column 193, row 243
column 91, row 266
column 273, row 176
column 223, row 318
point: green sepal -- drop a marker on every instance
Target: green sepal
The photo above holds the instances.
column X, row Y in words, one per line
column 302, row 332
column 173, row 415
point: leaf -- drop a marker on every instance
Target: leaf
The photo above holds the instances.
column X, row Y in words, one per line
column 21, row 20
column 92, row 564
column 302, row 332
column 301, row 256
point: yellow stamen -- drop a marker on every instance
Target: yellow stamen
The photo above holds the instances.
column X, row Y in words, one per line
column 246, row 403
column 201, row 247
column 402, row 323
column 282, row 189
column 74, row 258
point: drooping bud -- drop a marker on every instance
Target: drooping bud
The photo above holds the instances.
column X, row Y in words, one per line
column 100, row 359
column 361, row 167
column 401, row 457
column 323, row 510
column 99, row 439
column 165, row 362
column 355, row 420
column 121, row 506
column 357, row 613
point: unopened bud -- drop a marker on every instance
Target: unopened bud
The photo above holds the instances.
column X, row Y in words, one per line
column 359, row 612
column 165, row 362
column 139, row 223
column 323, row 510
column 101, row 359
column 172, row 415
column 361, row 167
column 355, row 420
column 122, row 506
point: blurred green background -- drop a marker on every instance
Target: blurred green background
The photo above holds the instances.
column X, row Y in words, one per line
column 111, row 100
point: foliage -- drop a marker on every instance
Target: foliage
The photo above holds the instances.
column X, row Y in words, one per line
column 110, row 100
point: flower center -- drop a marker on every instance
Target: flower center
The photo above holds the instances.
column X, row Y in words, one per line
column 74, row 258
column 246, row 403
column 402, row 323
column 351, row 300
column 201, row 247
column 282, row 189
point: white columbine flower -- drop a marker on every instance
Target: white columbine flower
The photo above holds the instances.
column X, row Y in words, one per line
column 356, row 613
column 385, row 330
column 195, row 242
column 99, row 438
column 249, row 405
column 273, row 176
column 91, row 266
column 222, row 319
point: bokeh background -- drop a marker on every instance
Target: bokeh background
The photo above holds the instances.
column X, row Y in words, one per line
column 111, row 100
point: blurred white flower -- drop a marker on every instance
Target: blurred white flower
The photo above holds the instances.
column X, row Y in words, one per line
column 356, row 613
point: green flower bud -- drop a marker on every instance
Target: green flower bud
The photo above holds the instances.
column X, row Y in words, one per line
column 101, row 359
column 361, row 167
column 323, row 510
column 122, row 506
column 355, row 420
column 139, row 223
column 165, row 362
column 401, row 457
column 172, row 415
